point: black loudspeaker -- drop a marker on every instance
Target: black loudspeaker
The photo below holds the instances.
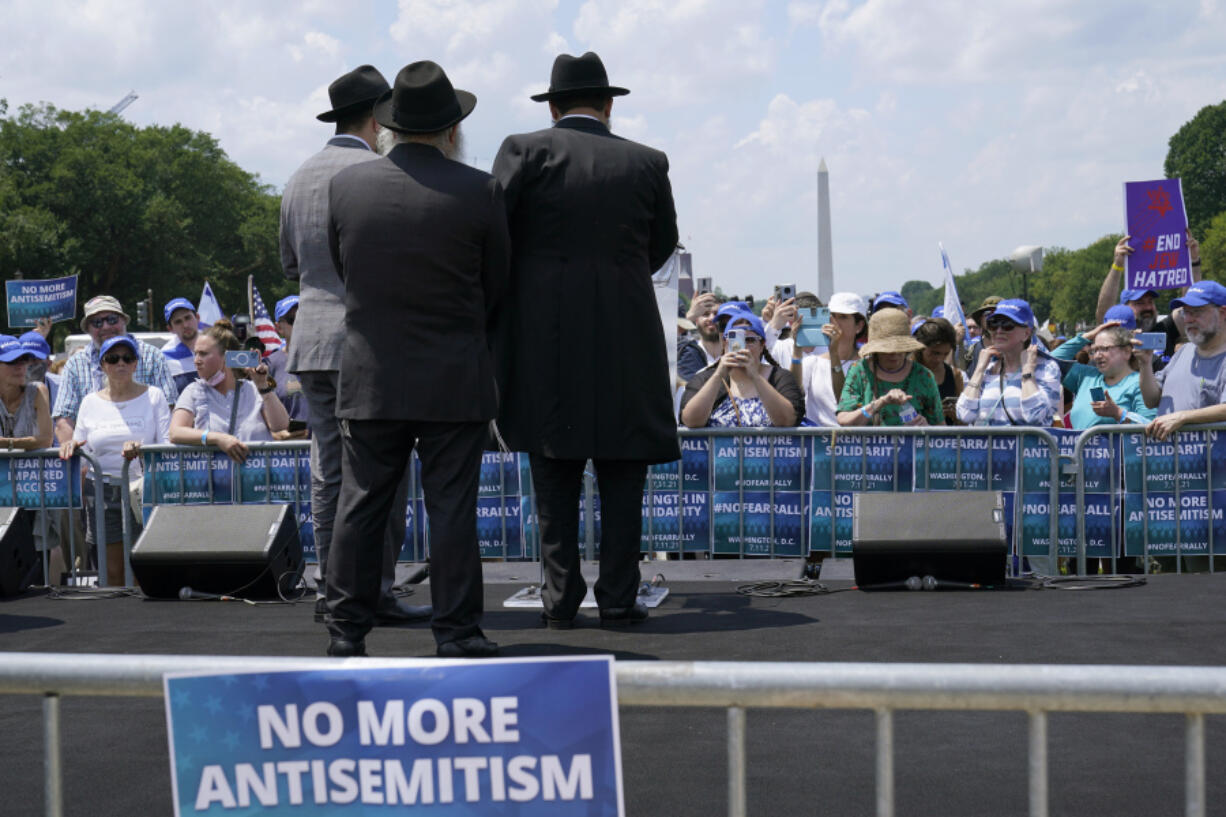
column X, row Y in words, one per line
column 956, row 537
column 18, row 560
column 239, row 550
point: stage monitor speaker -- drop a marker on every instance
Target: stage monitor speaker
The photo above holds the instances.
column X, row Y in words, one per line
column 239, row 550
column 955, row 536
column 18, row 561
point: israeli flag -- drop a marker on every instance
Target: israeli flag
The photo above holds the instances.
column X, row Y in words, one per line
column 209, row 310
column 953, row 305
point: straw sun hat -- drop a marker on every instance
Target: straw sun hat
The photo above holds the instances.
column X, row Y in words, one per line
column 889, row 332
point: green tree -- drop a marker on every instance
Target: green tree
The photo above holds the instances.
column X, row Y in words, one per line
column 1213, row 249
column 130, row 209
column 1197, row 155
column 1075, row 279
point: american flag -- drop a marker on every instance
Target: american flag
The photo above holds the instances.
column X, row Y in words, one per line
column 265, row 329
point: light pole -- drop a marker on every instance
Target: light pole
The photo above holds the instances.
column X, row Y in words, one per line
column 1027, row 259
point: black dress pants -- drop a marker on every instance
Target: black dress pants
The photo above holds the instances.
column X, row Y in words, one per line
column 558, row 484
column 374, row 456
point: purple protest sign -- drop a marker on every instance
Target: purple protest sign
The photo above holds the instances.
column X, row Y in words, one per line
column 1157, row 226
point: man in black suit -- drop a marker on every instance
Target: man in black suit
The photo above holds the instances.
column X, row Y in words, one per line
column 420, row 241
column 583, row 366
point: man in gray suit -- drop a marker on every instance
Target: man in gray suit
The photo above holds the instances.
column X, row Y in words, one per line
column 315, row 355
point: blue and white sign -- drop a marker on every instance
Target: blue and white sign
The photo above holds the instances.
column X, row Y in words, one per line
column 54, row 298
column 40, row 482
column 512, row 737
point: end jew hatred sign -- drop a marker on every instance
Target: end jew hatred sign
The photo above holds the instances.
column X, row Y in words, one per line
column 1157, row 226
column 54, row 298
column 534, row 736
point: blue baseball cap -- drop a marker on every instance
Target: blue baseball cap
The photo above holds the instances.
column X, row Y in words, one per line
column 755, row 324
column 111, row 343
column 1014, row 309
column 938, row 312
column 1130, row 295
column 11, row 349
column 36, row 344
column 1202, row 293
column 284, row 306
column 176, row 303
column 1123, row 314
column 890, row 297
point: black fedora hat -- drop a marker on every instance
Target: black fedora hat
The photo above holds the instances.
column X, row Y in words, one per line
column 423, row 101
column 573, row 75
column 361, row 86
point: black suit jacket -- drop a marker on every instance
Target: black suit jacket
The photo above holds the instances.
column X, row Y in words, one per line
column 421, row 244
column 582, row 361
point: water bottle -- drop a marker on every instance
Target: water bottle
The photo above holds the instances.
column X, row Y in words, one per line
column 907, row 413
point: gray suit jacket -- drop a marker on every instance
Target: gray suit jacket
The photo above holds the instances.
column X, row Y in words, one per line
column 319, row 327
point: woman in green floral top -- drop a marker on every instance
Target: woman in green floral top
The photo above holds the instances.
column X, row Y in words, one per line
column 886, row 384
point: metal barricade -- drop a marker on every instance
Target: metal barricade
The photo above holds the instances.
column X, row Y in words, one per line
column 920, row 439
column 74, row 502
column 1121, row 494
column 883, row 688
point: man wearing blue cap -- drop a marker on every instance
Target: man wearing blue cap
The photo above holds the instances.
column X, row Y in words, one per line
column 1141, row 301
column 182, row 320
column 289, row 388
column 1192, row 386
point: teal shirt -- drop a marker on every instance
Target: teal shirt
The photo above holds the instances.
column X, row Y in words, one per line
column 1082, row 378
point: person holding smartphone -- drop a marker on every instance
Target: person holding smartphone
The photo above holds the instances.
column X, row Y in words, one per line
column 745, row 387
column 940, row 339
column 1108, row 390
column 226, row 407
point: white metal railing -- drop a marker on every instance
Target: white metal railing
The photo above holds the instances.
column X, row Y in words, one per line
column 1036, row 689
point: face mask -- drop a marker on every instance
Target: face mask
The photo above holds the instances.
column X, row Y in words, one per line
column 219, row 376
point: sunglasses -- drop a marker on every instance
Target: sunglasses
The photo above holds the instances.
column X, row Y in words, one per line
column 107, row 320
column 1001, row 325
column 113, row 359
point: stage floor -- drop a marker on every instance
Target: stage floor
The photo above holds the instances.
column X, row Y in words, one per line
column 800, row 762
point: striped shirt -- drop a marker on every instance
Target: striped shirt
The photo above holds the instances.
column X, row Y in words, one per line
column 82, row 375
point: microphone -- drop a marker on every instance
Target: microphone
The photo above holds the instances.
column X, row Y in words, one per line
column 187, row 594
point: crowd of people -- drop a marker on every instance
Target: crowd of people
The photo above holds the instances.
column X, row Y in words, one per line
column 879, row 364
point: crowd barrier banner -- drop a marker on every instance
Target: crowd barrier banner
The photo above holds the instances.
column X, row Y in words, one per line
column 1100, row 493
column 1171, row 495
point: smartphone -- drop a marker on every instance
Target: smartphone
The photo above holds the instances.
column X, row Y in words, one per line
column 297, row 425
column 702, row 285
column 1154, row 341
column 784, row 291
column 736, row 340
column 242, row 358
column 810, row 333
column 1096, row 394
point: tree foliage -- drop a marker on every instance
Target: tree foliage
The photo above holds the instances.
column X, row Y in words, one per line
column 1213, row 249
column 1197, row 155
column 130, row 209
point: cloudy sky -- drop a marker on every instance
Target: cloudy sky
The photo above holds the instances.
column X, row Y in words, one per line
column 981, row 125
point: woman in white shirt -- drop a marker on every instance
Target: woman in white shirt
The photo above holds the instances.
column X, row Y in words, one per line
column 111, row 425
column 822, row 375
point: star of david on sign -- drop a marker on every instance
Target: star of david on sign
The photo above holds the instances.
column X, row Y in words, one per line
column 1159, row 200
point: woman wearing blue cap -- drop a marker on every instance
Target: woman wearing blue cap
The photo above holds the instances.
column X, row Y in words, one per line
column 740, row 389
column 1012, row 383
column 25, row 408
column 111, row 424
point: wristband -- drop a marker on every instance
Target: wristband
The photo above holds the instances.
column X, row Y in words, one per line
column 1123, row 415
column 1027, row 375
column 204, row 438
column 1196, row 263
column 269, row 389
column 867, row 414
column 796, row 360
column 1116, row 267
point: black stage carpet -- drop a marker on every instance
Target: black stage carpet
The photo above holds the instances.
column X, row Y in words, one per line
column 800, row 762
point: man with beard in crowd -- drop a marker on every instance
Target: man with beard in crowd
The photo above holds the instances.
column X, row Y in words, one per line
column 695, row 355
column 1192, row 386
column 1141, row 301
